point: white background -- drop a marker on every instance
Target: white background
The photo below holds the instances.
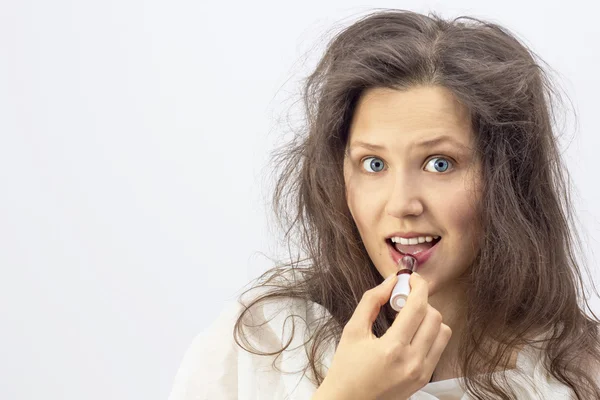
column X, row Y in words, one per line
column 135, row 139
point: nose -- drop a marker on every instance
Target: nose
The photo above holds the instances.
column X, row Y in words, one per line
column 404, row 197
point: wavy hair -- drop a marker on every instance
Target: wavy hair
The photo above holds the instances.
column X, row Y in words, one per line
column 526, row 279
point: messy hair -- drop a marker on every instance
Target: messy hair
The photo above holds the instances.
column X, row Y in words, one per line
column 526, row 279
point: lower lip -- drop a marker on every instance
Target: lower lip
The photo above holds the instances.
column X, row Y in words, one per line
column 421, row 257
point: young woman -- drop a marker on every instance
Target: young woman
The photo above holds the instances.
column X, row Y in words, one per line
column 426, row 137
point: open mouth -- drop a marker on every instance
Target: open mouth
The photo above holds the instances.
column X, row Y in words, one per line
column 413, row 249
column 422, row 251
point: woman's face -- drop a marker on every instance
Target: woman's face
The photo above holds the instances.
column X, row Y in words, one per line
column 402, row 186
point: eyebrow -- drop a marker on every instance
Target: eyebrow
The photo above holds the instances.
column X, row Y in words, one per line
column 423, row 143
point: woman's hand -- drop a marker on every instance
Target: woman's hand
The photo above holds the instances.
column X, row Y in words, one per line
column 397, row 364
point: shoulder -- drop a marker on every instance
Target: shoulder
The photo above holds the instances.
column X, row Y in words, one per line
column 275, row 330
column 289, row 318
column 274, row 322
column 209, row 361
column 532, row 378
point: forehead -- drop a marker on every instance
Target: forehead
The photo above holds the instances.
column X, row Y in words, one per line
column 416, row 112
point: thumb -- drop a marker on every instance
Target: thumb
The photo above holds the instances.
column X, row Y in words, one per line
column 370, row 305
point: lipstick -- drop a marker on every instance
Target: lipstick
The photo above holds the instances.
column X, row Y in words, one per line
column 408, row 265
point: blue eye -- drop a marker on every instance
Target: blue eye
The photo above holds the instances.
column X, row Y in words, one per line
column 440, row 164
column 376, row 164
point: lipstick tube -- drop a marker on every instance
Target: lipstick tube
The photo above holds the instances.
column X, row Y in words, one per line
column 408, row 265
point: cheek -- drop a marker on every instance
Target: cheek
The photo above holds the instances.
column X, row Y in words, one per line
column 458, row 203
column 462, row 219
column 356, row 205
column 461, row 213
column 362, row 206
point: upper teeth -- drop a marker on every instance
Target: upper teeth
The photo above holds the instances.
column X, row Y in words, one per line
column 415, row 240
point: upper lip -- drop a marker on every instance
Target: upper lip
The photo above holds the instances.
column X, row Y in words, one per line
column 409, row 235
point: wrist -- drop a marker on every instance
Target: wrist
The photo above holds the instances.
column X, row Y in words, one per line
column 328, row 390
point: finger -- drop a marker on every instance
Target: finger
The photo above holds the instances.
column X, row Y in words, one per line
column 438, row 347
column 428, row 330
column 407, row 321
column 369, row 307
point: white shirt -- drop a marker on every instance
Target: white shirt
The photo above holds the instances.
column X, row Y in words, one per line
column 216, row 368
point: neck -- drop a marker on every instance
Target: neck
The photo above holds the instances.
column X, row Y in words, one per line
column 451, row 304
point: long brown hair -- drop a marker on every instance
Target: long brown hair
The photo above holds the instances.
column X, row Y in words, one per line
column 526, row 279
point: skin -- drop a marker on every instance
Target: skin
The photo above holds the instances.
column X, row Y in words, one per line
column 430, row 189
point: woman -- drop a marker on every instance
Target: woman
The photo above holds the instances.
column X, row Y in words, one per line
column 425, row 137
